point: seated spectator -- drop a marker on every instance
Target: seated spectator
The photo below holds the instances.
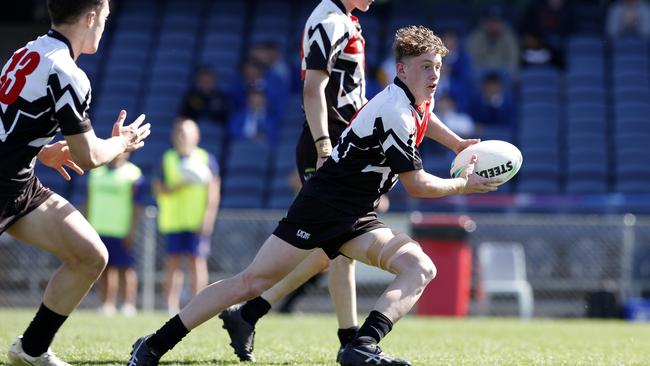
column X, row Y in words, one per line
column 535, row 52
column 275, row 73
column 205, row 100
column 494, row 105
column 254, row 122
column 552, row 20
column 457, row 78
column 251, row 78
column 459, row 122
column 628, row 18
column 493, row 44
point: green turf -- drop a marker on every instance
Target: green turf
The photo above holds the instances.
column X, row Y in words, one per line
column 90, row 339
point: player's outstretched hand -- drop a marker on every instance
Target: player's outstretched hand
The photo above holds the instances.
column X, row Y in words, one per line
column 57, row 156
column 474, row 182
column 464, row 144
column 134, row 134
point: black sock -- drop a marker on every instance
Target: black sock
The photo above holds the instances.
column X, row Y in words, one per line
column 39, row 334
column 376, row 326
column 254, row 309
column 168, row 335
column 347, row 335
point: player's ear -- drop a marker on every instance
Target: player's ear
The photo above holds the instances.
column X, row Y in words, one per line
column 91, row 18
column 401, row 69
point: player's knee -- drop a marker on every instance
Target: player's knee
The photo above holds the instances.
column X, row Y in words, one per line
column 254, row 285
column 427, row 268
column 97, row 260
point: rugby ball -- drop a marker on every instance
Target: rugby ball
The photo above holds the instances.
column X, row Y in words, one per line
column 194, row 172
column 496, row 159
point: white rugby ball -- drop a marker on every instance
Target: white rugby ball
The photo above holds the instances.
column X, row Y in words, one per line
column 194, row 172
column 495, row 159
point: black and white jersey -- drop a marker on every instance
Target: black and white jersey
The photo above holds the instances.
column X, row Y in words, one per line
column 332, row 41
column 380, row 143
column 41, row 91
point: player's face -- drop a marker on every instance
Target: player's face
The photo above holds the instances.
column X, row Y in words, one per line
column 421, row 75
column 96, row 30
column 362, row 5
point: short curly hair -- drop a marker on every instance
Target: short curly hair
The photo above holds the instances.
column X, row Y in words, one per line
column 412, row 41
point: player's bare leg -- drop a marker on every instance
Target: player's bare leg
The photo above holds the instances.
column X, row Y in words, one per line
column 240, row 321
column 173, row 282
column 398, row 254
column 57, row 227
column 273, row 262
column 341, row 284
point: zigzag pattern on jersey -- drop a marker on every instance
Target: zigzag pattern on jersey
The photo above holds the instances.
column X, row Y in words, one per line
column 406, row 148
column 56, row 92
column 22, row 107
column 319, row 49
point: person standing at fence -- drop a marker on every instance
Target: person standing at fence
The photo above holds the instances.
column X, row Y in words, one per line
column 113, row 209
column 333, row 73
column 334, row 210
column 188, row 194
column 43, row 91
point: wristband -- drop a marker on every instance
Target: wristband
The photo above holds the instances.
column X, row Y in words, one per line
column 325, row 137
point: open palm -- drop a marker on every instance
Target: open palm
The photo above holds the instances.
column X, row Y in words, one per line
column 57, row 156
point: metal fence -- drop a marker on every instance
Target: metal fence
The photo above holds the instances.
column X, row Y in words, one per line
column 567, row 257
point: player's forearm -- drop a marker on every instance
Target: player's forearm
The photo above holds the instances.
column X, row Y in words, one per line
column 421, row 184
column 316, row 113
column 99, row 152
column 438, row 131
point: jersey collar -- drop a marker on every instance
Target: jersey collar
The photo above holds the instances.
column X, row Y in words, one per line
column 340, row 5
column 56, row 35
column 406, row 90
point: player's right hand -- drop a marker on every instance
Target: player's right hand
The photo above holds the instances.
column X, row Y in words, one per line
column 474, row 183
column 133, row 134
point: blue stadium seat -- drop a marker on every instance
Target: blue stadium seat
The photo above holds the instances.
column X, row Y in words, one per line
column 632, row 110
column 581, row 125
column 587, row 139
column 534, row 92
column 630, row 47
column 577, row 78
column 280, row 200
column 586, row 110
column 581, row 94
column 587, row 65
column 631, row 93
column 581, row 45
column 540, row 76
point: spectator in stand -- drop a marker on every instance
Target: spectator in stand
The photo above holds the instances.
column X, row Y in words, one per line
column 255, row 121
column 252, row 77
column 494, row 106
column 628, row 18
column 275, row 73
column 457, row 74
column 553, row 20
column 535, row 52
column 205, row 100
column 493, row 44
column 461, row 123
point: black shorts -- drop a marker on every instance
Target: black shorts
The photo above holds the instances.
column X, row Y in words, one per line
column 306, row 150
column 18, row 202
column 311, row 223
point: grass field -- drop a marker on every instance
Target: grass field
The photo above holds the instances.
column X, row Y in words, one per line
column 90, row 339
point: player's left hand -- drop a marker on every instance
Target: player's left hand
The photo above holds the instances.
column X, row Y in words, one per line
column 56, row 156
column 465, row 143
